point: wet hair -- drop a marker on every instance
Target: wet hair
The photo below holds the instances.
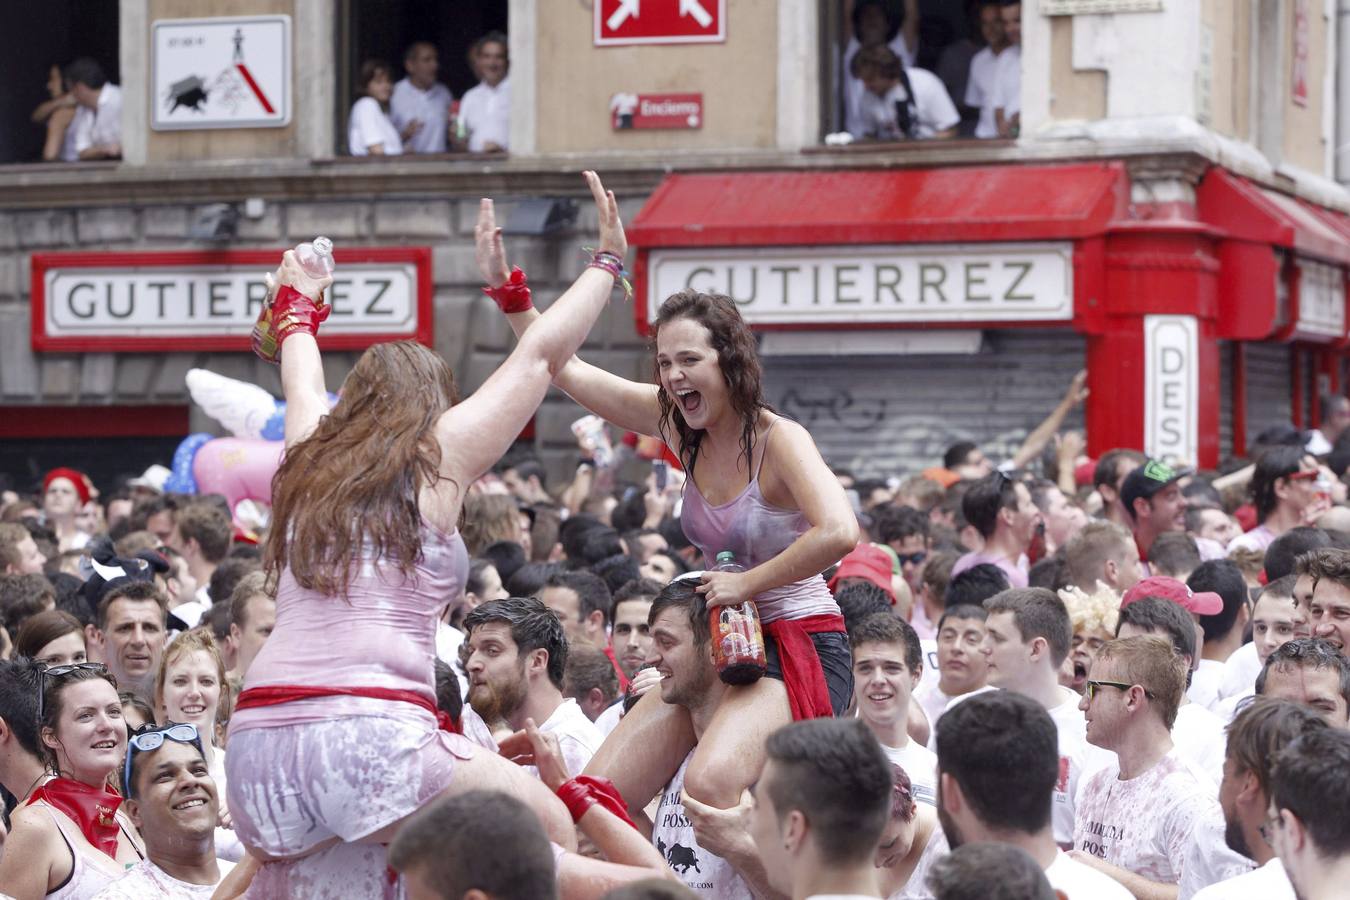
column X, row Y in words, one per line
column 886, row 628
column 592, row 593
column 533, row 627
column 588, row 668
column 449, row 700
column 860, row 600
column 637, row 589
column 1261, row 728
column 1330, row 564
column 1307, row 653
column 505, row 556
column 682, row 594
column 1002, row 748
column 19, row 681
column 1037, row 613
column 529, row 578
column 738, row 359
column 499, row 843
column 139, row 759
column 975, row 585
column 53, row 704
column 964, row 874
column 985, row 498
column 1286, row 548
column 1223, row 577
column 43, row 628
column 1160, row 615
column 355, row 480
column 834, row 772
column 1277, row 463
column 1311, row 778
column 902, row 795
column 958, row 453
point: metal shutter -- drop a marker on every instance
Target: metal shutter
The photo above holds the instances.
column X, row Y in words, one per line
column 1225, row 400
column 1269, row 387
column 885, row 415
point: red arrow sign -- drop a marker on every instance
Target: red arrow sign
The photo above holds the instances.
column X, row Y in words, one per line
column 659, row 22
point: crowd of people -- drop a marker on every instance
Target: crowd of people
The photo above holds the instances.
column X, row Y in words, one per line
column 437, row 675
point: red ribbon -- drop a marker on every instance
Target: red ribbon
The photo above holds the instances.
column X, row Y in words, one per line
column 276, row 694
column 581, row 793
column 93, row 809
column 513, row 295
column 808, row 694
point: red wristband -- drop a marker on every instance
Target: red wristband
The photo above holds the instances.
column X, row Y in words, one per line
column 513, row 296
column 581, row 793
column 290, row 312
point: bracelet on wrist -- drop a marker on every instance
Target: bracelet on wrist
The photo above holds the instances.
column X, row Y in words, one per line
column 513, row 294
column 579, row 794
column 612, row 263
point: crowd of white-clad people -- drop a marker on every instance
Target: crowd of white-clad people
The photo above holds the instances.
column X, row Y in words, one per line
column 437, row 674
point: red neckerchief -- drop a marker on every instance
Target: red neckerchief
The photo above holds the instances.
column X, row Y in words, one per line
column 92, row 808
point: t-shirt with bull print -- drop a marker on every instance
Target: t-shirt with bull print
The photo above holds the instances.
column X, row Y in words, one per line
column 705, row 874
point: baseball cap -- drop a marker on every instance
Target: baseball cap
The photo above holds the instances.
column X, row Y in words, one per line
column 153, row 478
column 1205, row 603
column 1147, row 480
column 868, row 563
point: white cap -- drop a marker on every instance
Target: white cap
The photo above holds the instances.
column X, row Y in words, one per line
column 153, row 478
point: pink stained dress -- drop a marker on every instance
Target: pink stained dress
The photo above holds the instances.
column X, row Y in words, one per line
column 302, row 772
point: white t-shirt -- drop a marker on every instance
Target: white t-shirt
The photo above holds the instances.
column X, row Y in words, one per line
column 935, row 703
column 99, row 127
column 486, row 113
column 370, row 126
column 1259, row 538
column 853, row 86
column 448, row 641
column 431, row 107
column 1205, row 682
column 1208, row 859
column 1270, row 882
column 608, row 720
column 1077, row 760
column 1199, row 736
column 578, row 738
column 146, row 880
column 980, row 90
column 1007, row 93
column 673, row 836
column 1227, row 708
column 929, row 679
column 917, row 886
column 1143, row 824
column 920, row 764
column 1240, row 671
column 932, row 109
column 1082, row 882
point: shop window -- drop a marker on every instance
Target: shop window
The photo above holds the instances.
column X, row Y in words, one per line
column 900, row 71
column 383, row 31
column 34, row 38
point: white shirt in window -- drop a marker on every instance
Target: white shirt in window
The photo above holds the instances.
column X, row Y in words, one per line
column 1008, row 82
column 578, row 738
column 931, row 109
column 101, row 127
column 370, row 126
column 853, row 86
column 430, row 107
column 486, row 113
column 980, row 90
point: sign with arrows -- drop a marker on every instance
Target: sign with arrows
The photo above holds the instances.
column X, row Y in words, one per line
column 660, row 22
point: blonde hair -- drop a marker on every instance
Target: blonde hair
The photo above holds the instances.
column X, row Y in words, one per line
column 1097, row 611
column 487, row 519
column 1154, row 664
column 191, row 642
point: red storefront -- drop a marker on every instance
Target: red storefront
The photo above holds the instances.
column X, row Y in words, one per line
column 1039, row 268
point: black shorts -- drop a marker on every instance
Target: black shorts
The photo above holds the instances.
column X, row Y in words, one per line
column 835, row 659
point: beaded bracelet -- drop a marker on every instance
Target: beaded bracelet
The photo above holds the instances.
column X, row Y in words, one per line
column 613, row 264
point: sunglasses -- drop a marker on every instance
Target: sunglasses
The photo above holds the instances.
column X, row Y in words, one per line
column 1091, row 688
column 54, row 672
column 1303, row 475
column 912, row 558
column 150, row 738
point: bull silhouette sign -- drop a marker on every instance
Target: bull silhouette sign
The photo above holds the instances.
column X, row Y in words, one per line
column 679, row 857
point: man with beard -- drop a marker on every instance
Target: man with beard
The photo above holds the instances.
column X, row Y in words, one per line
column 517, row 658
column 1309, row 817
column 998, row 767
column 1258, row 733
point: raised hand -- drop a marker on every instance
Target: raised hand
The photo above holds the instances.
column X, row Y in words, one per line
column 291, row 273
column 488, row 250
column 612, row 238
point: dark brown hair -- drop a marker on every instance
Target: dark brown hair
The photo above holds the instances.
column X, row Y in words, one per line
column 356, row 477
column 43, row 628
column 737, row 357
column 369, row 69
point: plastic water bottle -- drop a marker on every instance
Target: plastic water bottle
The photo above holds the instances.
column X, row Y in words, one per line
column 737, row 639
column 316, row 257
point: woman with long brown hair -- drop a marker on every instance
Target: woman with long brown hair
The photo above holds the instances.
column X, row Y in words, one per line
column 334, row 740
column 758, row 487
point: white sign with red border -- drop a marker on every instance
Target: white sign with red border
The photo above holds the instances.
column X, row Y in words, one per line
column 1171, row 388
column 619, row 22
column 231, row 72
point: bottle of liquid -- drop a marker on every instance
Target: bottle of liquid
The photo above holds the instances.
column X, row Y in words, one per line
column 316, row 257
column 738, row 641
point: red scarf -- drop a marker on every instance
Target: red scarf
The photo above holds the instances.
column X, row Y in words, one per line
column 92, row 808
column 275, row 694
column 808, row 694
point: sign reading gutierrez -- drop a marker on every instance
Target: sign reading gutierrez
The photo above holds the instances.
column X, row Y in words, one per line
column 157, row 301
column 915, row 283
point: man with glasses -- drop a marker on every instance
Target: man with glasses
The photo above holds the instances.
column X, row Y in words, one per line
column 1309, row 823
column 1001, row 510
column 1285, row 492
column 172, row 801
column 1133, row 819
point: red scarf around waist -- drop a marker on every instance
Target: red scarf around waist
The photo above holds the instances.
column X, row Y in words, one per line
column 93, row 809
column 808, row 694
column 275, row 694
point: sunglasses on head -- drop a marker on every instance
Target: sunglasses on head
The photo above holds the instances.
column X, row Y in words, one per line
column 1303, row 475
column 54, row 672
column 151, row 737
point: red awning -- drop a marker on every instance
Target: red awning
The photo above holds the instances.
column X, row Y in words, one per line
column 976, row 203
column 1248, row 212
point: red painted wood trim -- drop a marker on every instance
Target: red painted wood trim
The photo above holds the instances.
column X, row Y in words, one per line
column 93, row 421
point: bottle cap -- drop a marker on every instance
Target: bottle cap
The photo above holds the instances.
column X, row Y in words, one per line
column 726, row 555
column 322, row 246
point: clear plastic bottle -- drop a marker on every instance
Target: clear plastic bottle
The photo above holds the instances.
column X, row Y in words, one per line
column 316, row 257
column 737, row 639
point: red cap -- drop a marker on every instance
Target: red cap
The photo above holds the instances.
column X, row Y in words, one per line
column 1085, row 472
column 1205, row 603
column 79, row 479
column 868, row 563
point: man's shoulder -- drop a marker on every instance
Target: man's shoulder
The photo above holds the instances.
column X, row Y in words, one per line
column 1077, row 879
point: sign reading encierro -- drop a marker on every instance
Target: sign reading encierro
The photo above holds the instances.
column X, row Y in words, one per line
column 917, row 283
